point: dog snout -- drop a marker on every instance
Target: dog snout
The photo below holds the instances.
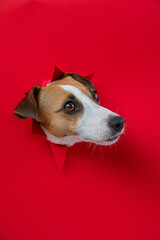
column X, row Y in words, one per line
column 116, row 123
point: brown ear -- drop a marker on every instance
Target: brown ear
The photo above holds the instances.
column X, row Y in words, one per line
column 28, row 107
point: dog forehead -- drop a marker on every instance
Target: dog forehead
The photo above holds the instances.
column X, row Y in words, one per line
column 84, row 98
column 54, row 92
column 58, row 90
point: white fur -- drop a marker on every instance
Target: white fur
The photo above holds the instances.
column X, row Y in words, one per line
column 92, row 126
column 68, row 140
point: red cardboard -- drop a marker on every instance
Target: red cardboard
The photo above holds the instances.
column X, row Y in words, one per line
column 59, row 153
column 101, row 193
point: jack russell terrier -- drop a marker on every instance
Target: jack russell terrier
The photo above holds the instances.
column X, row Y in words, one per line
column 68, row 111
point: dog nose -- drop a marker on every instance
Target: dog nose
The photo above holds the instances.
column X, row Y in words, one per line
column 116, row 123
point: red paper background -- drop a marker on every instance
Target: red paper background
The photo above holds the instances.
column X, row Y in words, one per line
column 103, row 193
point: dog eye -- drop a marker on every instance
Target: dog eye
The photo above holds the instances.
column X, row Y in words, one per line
column 69, row 107
column 96, row 97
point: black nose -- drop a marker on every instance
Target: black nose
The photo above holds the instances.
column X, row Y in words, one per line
column 116, row 123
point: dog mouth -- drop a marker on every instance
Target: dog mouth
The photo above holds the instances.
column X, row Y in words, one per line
column 108, row 140
column 112, row 139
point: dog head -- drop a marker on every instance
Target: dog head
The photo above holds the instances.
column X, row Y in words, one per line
column 68, row 111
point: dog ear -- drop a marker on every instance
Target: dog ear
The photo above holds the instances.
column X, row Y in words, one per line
column 28, row 107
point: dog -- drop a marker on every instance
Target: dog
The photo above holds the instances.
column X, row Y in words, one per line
column 68, row 111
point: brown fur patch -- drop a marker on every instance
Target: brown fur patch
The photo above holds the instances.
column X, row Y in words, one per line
column 45, row 104
column 51, row 101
